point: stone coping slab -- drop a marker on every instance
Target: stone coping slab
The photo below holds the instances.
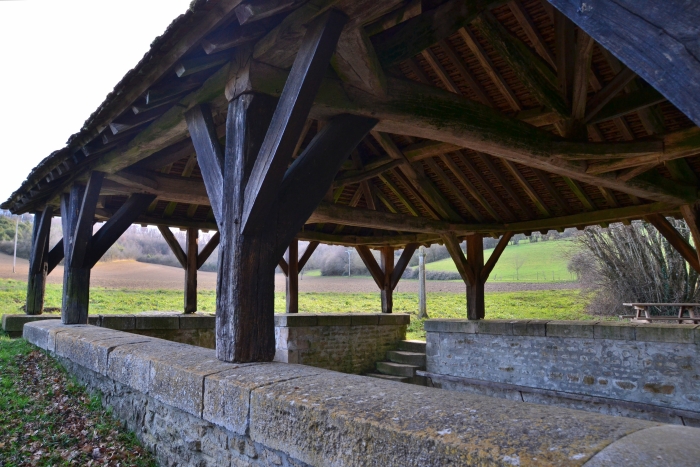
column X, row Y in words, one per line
column 175, row 320
column 327, row 418
column 672, row 333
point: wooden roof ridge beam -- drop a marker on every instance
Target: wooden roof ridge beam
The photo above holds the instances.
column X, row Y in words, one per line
column 619, row 25
column 495, row 256
column 292, row 111
column 411, row 37
column 676, row 240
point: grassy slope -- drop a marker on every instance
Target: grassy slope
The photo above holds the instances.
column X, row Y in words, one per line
column 47, row 419
column 538, row 259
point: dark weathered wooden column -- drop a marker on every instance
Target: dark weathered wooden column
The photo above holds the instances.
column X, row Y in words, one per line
column 293, row 277
column 191, row 270
column 476, row 307
column 38, row 262
column 387, row 264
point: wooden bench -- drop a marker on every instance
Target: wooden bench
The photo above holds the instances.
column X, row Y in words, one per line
column 640, row 308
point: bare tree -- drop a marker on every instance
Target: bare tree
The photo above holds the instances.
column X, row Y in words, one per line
column 633, row 263
column 519, row 261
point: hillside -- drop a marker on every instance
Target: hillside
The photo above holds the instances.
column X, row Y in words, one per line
column 541, row 261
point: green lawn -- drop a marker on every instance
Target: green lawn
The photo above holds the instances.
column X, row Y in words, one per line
column 540, row 261
column 543, row 304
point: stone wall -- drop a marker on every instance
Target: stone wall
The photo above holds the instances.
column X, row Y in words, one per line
column 650, row 371
column 351, row 343
column 192, row 410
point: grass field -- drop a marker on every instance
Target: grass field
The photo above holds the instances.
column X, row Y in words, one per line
column 542, row 304
column 541, row 261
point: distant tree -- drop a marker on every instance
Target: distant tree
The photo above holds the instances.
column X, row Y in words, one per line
column 519, row 261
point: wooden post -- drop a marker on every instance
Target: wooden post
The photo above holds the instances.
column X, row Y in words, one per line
column 422, row 301
column 387, row 265
column 38, row 262
column 191, row 270
column 245, row 325
column 293, row 277
column 475, row 290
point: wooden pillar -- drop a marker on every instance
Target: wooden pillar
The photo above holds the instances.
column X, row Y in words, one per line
column 293, row 277
column 691, row 214
column 422, row 297
column 387, row 265
column 245, row 326
column 38, row 262
column 191, row 270
column 475, row 290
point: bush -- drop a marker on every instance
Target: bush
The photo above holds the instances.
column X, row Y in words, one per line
column 633, row 264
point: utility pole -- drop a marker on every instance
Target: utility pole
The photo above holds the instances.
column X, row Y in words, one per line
column 349, row 252
column 422, row 302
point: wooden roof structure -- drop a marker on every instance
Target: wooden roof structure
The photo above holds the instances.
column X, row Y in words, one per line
column 481, row 78
column 472, row 118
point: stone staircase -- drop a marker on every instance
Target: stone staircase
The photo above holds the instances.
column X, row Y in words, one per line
column 402, row 364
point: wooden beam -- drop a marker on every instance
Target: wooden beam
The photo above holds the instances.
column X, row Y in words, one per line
column 666, row 229
column 505, row 184
column 233, row 35
column 549, row 187
column 609, row 91
column 310, row 176
column 110, row 232
column 288, row 120
column 38, row 262
column 208, row 249
column 409, row 38
column 437, row 68
column 410, row 9
column 424, row 186
column 565, row 40
column 640, row 36
column 371, row 264
column 356, row 62
column 582, row 69
column 470, row 187
column 191, row 270
column 283, row 266
column 691, row 214
column 55, row 256
column 629, row 103
column 292, row 302
column 345, row 180
column 473, row 210
column 528, row 67
column 209, row 154
column 578, row 190
column 488, row 66
column 539, row 203
column 466, row 75
column 495, row 255
column 174, row 245
column 531, row 31
column 248, row 12
column 310, row 248
column 402, row 263
column 371, row 241
column 82, row 233
column 455, row 250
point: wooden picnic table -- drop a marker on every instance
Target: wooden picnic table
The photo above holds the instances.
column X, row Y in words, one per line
column 682, row 308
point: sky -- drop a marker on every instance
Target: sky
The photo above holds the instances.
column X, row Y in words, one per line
column 59, row 60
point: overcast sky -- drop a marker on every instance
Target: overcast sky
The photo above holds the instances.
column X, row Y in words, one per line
column 59, row 60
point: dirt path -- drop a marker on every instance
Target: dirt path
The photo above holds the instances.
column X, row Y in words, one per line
column 135, row 275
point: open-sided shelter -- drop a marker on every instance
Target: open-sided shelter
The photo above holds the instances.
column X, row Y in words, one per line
column 376, row 124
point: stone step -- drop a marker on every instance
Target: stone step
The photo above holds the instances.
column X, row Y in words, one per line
column 412, row 346
column 398, row 379
column 396, row 369
column 409, row 358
